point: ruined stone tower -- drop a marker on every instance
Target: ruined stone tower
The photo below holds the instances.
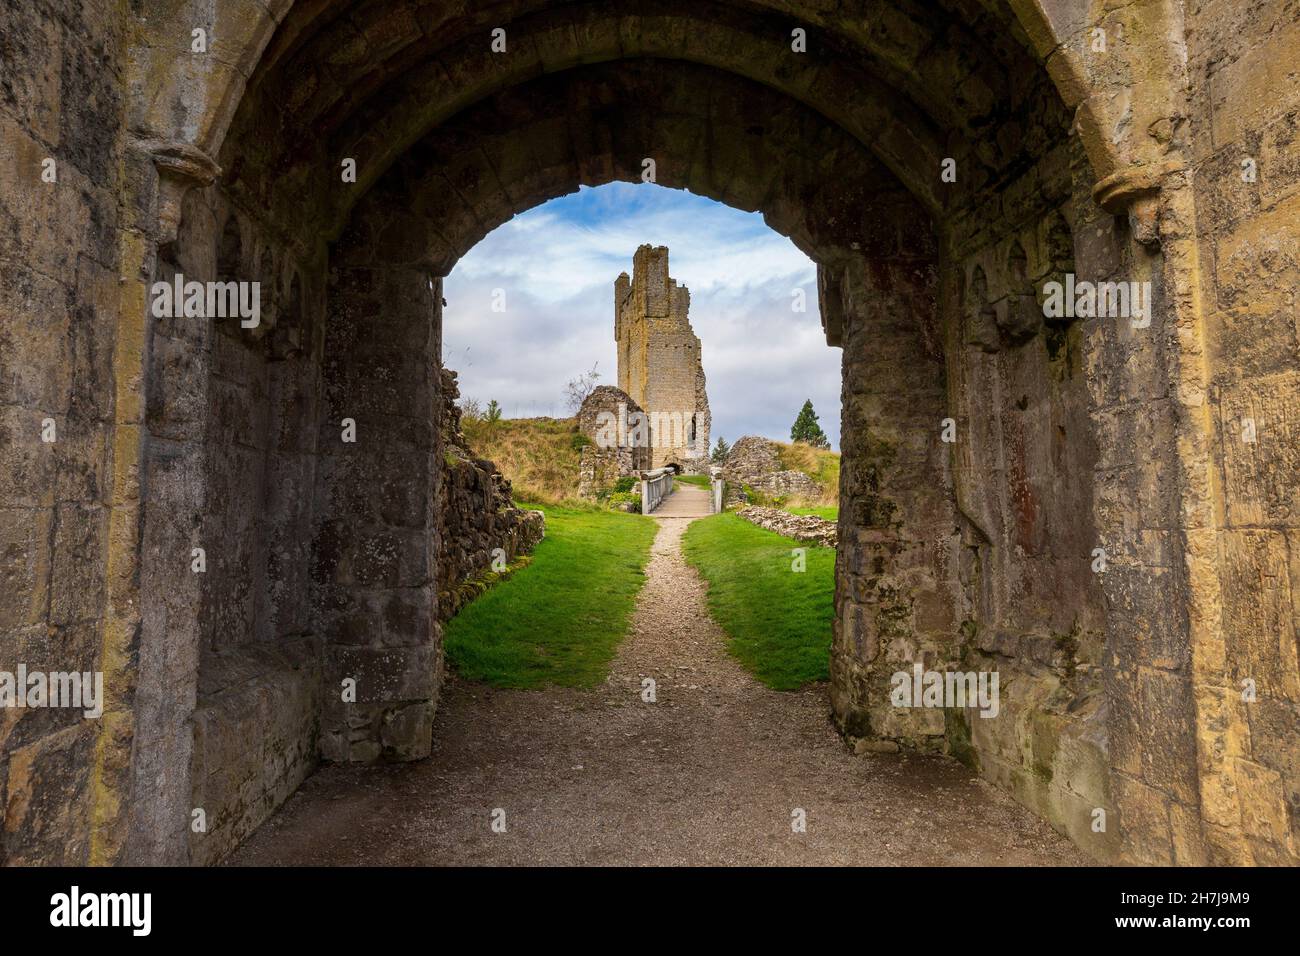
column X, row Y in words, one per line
column 659, row 359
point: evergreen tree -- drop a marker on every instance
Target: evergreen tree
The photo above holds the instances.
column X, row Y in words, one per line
column 806, row 429
column 720, row 451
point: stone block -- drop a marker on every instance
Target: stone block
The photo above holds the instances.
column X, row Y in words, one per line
column 1258, row 612
column 1168, row 731
column 1264, row 813
column 1260, row 81
column 1259, row 474
column 387, row 675
column 47, row 799
column 80, row 552
column 407, row 732
column 1143, row 822
column 25, row 560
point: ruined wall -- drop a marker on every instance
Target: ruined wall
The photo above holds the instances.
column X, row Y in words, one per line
column 476, row 513
column 604, row 461
column 754, row 461
column 659, row 359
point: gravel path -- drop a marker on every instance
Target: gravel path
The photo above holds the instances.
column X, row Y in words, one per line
column 710, row 773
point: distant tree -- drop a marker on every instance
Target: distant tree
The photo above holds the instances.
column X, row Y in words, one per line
column 577, row 390
column 720, row 451
column 493, row 413
column 806, row 429
column 471, row 409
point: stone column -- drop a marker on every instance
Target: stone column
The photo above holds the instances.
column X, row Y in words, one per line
column 374, row 555
column 176, row 358
column 893, row 600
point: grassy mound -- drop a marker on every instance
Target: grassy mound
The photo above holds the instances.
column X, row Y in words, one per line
column 540, row 456
column 820, row 464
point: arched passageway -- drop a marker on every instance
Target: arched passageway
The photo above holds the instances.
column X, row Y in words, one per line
column 1051, row 496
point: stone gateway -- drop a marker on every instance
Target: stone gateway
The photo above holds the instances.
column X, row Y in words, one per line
column 941, row 161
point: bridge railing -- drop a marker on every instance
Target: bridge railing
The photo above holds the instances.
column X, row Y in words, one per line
column 655, row 486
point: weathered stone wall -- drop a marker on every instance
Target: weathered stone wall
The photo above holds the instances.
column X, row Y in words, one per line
column 1024, row 455
column 976, row 502
column 375, row 547
column 659, row 361
column 894, row 598
column 239, row 414
column 1242, row 258
column 756, row 462
column 476, row 514
column 59, row 342
column 604, row 462
column 806, row 528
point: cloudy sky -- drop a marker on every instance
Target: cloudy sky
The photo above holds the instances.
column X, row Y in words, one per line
column 556, row 266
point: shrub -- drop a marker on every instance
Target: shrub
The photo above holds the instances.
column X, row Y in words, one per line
column 625, row 498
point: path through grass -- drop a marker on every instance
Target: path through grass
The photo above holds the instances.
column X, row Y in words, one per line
column 559, row 620
column 779, row 620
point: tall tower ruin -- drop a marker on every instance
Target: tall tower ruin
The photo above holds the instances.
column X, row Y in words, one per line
column 659, row 362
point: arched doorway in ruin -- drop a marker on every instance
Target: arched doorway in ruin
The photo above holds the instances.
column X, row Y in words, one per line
column 922, row 154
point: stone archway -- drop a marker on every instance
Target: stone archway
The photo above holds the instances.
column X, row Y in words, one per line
column 371, row 603
column 1084, row 142
column 377, row 107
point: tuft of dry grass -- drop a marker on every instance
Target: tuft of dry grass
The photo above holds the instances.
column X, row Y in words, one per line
column 820, row 464
column 540, row 456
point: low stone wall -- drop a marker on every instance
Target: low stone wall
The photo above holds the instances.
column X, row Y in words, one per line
column 478, row 513
column 478, row 518
column 256, row 725
column 806, row 528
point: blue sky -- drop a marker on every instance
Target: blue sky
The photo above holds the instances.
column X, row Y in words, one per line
column 556, row 265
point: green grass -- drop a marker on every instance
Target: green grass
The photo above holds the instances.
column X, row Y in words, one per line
column 830, row 513
column 779, row 620
column 701, row 480
column 559, row 620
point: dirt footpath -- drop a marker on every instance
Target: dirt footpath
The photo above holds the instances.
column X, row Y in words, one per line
column 710, row 773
